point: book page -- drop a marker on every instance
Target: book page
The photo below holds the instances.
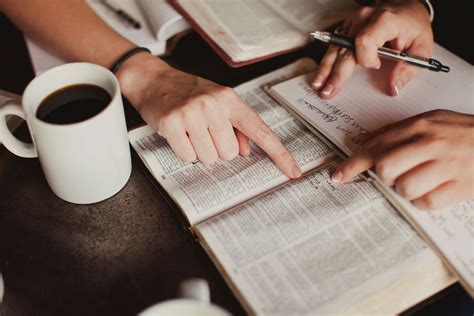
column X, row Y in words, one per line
column 311, row 15
column 201, row 190
column 314, row 247
column 244, row 29
column 362, row 105
column 162, row 18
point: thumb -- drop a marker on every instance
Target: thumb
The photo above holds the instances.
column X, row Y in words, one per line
column 402, row 72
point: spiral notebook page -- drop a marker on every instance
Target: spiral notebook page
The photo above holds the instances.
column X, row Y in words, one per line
column 363, row 105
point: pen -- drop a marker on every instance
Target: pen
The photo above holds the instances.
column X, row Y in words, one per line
column 349, row 43
column 123, row 15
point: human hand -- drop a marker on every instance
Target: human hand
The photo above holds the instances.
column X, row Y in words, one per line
column 428, row 158
column 199, row 118
column 405, row 26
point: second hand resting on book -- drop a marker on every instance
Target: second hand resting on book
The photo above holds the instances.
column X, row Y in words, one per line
column 199, row 118
column 426, row 158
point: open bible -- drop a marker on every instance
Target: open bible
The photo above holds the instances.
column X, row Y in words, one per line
column 247, row 31
column 301, row 246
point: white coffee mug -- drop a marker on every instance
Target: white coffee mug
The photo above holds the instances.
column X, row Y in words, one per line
column 194, row 301
column 84, row 162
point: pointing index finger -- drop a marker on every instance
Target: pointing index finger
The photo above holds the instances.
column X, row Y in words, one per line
column 251, row 125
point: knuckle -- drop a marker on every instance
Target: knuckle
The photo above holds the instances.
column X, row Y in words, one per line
column 263, row 131
column 209, row 105
column 230, row 154
column 331, row 50
column 218, row 128
column 432, row 140
column 382, row 168
column 224, row 90
column 406, row 72
column 171, row 119
column 364, row 11
column 428, row 202
column 385, row 16
column 335, row 77
column 207, row 100
column 348, row 56
column 363, row 41
column 283, row 155
column 370, row 146
column 349, row 167
column 421, row 124
column 437, row 113
column 404, row 188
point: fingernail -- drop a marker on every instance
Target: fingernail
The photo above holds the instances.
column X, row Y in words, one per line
column 397, row 87
column 327, row 90
column 318, row 82
column 336, row 177
column 296, row 171
column 378, row 66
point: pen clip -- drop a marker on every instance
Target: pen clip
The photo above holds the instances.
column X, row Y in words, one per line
column 438, row 66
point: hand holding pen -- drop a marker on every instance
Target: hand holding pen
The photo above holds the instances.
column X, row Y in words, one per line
column 405, row 26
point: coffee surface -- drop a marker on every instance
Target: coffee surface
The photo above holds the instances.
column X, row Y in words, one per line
column 72, row 104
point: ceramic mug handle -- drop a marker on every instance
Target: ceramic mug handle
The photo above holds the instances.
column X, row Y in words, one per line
column 13, row 144
column 195, row 289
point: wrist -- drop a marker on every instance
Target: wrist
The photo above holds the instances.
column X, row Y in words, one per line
column 135, row 74
column 426, row 5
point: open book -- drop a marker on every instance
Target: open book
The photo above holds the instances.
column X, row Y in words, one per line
column 247, row 31
column 301, row 246
column 160, row 27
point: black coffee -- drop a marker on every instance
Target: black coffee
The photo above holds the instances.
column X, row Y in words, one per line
column 73, row 104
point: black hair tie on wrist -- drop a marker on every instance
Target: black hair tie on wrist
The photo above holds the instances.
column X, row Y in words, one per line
column 115, row 67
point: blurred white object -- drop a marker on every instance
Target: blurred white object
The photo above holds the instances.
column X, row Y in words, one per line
column 1, row 288
column 196, row 289
column 194, row 301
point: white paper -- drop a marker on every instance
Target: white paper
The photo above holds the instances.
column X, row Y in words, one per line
column 163, row 19
column 363, row 105
column 313, row 247
column 311, row 15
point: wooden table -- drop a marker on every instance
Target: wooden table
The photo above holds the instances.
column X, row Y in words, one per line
column 126, row 253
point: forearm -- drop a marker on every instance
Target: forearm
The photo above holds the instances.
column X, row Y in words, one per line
column 69, row 28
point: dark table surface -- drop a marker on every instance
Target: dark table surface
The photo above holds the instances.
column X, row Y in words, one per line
column 119, row 256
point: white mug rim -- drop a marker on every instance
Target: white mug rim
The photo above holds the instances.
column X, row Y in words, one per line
column 30, row 88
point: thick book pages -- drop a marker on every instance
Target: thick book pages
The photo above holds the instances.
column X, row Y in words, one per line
column 202, row 191
column 296, row 247
column 363, row 106
column 247, row 31
column 312, row 247
column 159, row 22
